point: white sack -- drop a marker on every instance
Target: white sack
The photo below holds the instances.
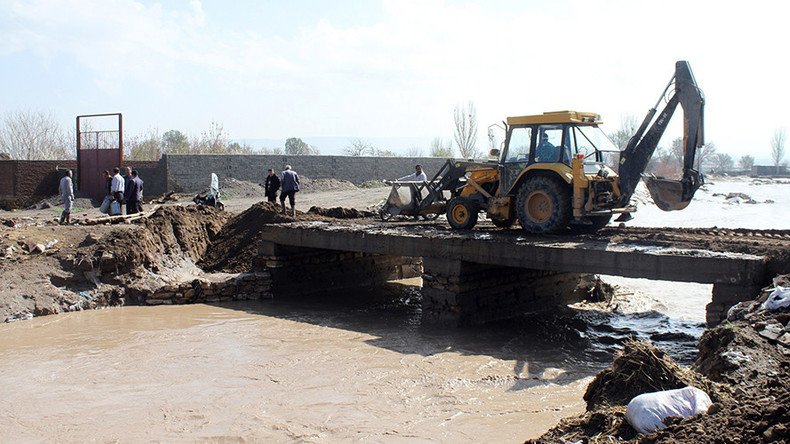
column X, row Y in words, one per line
column 778, row 298
column 646, row 412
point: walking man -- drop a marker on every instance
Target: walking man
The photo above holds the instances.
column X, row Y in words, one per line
column 117, row 187
column 271, row 186
column 290, row 184
column 135, row 194
column 66, row 189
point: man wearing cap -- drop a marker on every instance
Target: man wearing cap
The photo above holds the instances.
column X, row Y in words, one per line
column 546, row 151
column 418, row 176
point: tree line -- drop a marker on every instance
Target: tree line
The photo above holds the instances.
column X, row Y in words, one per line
column 34, row 135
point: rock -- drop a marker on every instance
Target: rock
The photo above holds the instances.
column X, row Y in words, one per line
column 45, row 205
column 772, row 332
column 784, row 340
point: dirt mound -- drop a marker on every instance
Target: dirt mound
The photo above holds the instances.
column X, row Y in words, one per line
column 168, row 232
column 231, row 188
column 308, row 185
column 749, row 356
column 341, row 213
column 236, row 246
column 642, row 368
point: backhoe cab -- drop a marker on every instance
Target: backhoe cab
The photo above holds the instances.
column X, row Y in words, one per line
column 550, row 173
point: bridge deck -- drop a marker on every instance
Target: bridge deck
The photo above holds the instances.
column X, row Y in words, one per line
column 512, row 248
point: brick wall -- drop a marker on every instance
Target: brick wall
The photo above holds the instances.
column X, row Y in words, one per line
column 191, row 173
column 25, row 182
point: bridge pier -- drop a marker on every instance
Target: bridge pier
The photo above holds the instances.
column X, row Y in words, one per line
column 460, row 292
column 724, row 297
column 301, row 270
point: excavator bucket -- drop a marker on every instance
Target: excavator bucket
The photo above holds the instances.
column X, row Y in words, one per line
column 667, row 194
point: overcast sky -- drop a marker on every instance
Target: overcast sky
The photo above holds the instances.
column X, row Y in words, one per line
column 392, row 68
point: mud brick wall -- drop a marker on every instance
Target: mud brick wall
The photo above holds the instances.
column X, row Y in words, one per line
column 245, row 286
column 31, row 180
column 191, row 173
column 464, row 293
column 306, row 271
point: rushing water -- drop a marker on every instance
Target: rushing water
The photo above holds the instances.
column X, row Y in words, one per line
column 281, row 371
column 318, row 370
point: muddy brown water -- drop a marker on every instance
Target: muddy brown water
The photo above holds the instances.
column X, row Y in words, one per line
column 309, row 370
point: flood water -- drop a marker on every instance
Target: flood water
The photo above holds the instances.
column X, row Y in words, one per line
column 311, row 370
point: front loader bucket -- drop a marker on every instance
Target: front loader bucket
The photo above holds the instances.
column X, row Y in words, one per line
column 667, row 194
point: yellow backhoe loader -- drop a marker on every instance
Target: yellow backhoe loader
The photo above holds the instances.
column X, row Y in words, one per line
column 550, row 173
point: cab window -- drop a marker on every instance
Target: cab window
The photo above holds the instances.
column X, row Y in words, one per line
column 519, row 144
column 549, row 143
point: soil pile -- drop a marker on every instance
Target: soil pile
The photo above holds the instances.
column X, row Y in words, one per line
column 748, row 360
column 642, row 368
column 231, row 188
column 308, row 185
column 171, row 231
column 236, row 246
column 341, row 213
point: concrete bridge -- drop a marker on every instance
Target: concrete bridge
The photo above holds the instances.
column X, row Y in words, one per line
column 483, row 275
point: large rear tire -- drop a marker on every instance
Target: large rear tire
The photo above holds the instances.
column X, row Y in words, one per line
column 544, row 205
column 461, row 213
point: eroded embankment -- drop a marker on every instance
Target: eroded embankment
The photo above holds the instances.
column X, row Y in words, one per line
column 743, row 365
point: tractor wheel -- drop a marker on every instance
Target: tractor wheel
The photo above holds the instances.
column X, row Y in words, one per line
column 544, row 205
column 503, row 223
column 461, row 213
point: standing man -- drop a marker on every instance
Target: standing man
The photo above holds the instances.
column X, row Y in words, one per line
column 290, row 184
column 135, row 194
column 418, row 176
column 271, row 186
column 127, row 185
column 66, row 189
column 117, row 186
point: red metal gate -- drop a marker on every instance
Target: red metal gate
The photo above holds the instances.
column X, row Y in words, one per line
column 97, row 151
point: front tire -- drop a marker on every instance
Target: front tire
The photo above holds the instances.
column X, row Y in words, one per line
column 461, row 213
column 544, row 205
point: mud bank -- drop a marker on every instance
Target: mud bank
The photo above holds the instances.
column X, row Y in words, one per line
column 743, row 365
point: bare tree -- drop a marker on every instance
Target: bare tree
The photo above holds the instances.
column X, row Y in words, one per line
column 722, row 163
column 746, row 162
column 33, row 135
column 778, row 147
column 147, row 146
column 441, row 147
column 628, row 127
column 414, row 151
column 358, row 147
column 465, row 118
column 705, row 156
column 277, row 151
column 382, row 152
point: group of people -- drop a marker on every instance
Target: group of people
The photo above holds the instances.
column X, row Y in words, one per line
column 125, row 190
column 288, row 180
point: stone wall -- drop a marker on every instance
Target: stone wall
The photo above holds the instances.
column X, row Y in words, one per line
column 458, row 292
column 245, row 286
column 191, row 172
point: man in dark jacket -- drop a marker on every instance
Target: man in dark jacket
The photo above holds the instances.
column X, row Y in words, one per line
column 127, row 188
column 290, row 184
column 271, row 186
column 135, row 194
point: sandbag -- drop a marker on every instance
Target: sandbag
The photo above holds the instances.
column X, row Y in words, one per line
column 105, row 205
column 646, row 412
column 779, row 298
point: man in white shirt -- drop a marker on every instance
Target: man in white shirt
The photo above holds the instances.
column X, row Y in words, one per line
column 66, row 190
column 117, row 186
column 418, row 176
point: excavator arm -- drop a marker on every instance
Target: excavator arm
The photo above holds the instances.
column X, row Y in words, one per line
column 667, row 194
